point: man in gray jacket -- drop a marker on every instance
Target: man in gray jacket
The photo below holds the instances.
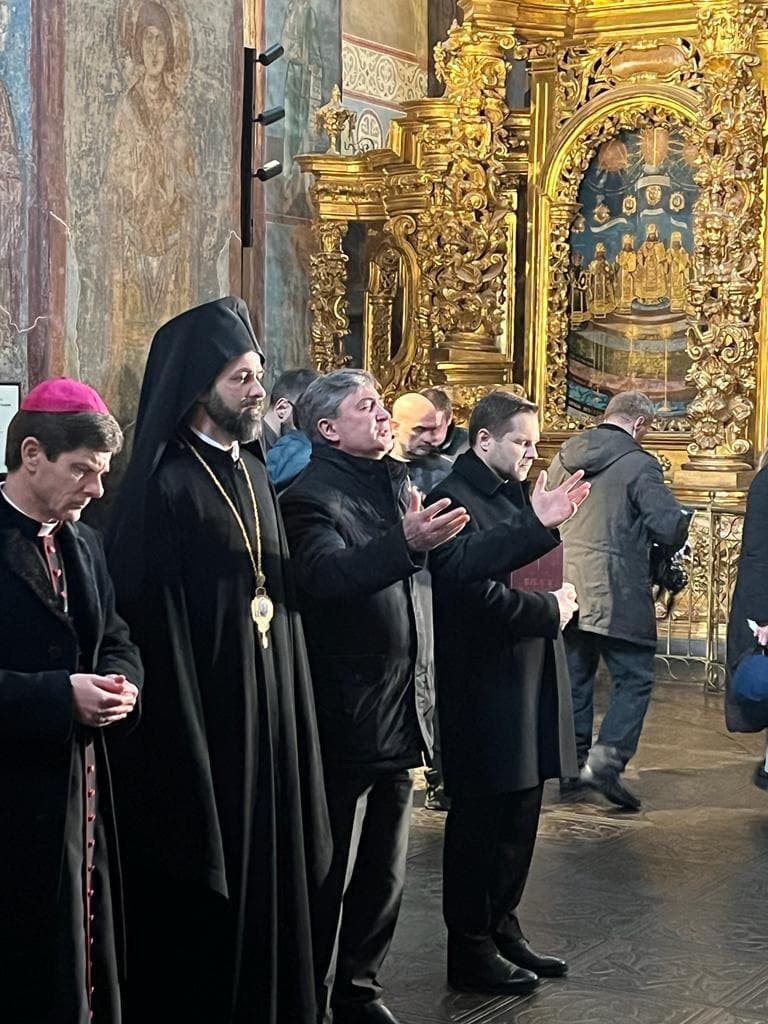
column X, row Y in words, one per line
column 607, row 553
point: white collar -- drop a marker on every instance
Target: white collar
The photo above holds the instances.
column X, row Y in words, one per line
column 45, row 528
column 233, row 449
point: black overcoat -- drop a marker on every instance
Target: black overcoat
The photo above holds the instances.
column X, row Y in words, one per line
column 504, row 696
column 750, row 598
column 40, row 647
column 367, row 610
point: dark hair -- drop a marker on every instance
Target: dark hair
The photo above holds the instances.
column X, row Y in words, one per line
column 439, row 398
column 494, row 412
column 59, row 432
column 292, row 384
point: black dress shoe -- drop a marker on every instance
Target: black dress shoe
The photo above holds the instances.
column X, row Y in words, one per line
column 606, row 780
column 760, row 777
column 374, row 1012
column 517, row 951
column 493, row 974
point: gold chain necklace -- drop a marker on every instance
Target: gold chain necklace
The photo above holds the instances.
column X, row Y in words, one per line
column 262, row 609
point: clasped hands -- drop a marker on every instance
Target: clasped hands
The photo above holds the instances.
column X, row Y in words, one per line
column 102, row 700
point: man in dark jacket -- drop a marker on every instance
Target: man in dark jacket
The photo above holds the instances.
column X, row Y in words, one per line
column 358, row 541
column 504, row 698
column 68, row 674
column 451, row 439
column 607, row 552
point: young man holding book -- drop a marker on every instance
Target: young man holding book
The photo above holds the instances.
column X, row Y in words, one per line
column 503, row 691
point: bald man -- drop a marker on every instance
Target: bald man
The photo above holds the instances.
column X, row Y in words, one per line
column 416, row 427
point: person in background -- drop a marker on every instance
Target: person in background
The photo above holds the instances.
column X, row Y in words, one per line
column 503, row 692
column 750, row 605
column 607, row 558
column 220, row 793
column 451, row 440
column 359, row 541
column 415, row 428
column 291, row 453
column 69, row 674
column 279, row 418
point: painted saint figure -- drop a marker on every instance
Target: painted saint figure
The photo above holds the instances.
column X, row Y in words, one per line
column 679, row 262
column 626, row 272
column 150, row 188
column 601, row 284
column 652, row 267
column 578, row 288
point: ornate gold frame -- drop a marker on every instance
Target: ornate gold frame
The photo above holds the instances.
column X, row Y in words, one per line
column 443, row 201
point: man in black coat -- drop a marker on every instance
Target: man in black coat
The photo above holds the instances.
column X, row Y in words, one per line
column 358, row 541
column 220, row 793
column 504, row 699
column 68, row 674
column 607, row 558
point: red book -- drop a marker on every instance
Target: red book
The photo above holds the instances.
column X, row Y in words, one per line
column 546, row 573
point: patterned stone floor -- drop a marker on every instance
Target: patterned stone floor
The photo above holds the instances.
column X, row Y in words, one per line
column 662, row 915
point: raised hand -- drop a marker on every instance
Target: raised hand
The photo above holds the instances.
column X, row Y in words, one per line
column 102, row 700
column 426, row 528
column 566, row 602
column 555, row 507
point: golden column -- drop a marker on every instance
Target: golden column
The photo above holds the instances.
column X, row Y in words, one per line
column 725, row 289
column 328, row 295
column 464, row 231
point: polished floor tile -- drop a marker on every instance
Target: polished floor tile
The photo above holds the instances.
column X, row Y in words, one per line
column 662, row 915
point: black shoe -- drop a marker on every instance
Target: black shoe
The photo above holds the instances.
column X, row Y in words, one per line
column 492, row 974
column 517, row 951
column 374, row 1012
column 606, row 780
column 436, row 800
column 569, row 787
column 760, row 778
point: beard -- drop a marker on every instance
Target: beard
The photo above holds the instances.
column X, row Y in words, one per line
column 243, row 425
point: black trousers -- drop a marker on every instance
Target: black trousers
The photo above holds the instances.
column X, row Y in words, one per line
column 487, row 854
column 357, row 908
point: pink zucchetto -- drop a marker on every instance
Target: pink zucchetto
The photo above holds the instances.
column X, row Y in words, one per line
column 62, row 394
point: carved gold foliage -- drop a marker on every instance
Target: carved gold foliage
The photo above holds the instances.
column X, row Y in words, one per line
column 727, row 230
column 586, row 72
column 383, row 281
column 462, row 233
column 328, row 283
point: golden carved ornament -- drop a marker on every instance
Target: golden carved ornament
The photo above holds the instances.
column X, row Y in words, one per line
column 328, row 285
column 586, row 72
column 462, row 238
column 332, row 119
column 728, row 215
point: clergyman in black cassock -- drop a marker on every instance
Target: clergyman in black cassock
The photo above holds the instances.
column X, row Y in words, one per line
column 220, row 794
column 61, row 645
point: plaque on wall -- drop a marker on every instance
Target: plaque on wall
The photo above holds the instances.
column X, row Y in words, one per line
column 10, row 395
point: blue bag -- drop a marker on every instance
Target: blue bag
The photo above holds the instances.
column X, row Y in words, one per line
column 749, row 685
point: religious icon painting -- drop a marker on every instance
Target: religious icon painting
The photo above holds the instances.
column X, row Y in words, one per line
column 629, row 272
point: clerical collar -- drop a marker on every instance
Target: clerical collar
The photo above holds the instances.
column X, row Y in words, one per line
column 46, row 529
column 233, row 449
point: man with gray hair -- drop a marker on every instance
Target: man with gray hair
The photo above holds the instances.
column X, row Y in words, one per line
column 607, row 558
column 359, row 541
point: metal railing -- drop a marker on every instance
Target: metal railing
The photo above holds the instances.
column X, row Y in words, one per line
column 692, row 637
